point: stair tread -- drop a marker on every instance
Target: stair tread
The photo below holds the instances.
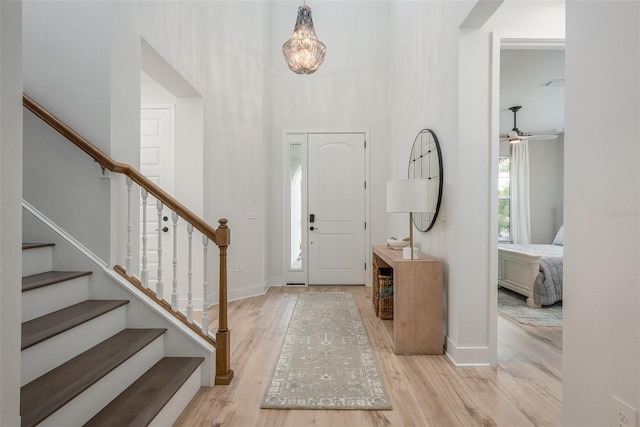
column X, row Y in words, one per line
column 26, row 245
column 50, row 277
column 48, row 393
column 139, row 404
column 42, row 328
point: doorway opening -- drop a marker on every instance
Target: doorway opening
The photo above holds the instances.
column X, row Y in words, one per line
column 326, row 208
column 171, row 112
column 531, row 88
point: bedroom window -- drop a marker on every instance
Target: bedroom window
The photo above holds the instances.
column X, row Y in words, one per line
column 504, row 199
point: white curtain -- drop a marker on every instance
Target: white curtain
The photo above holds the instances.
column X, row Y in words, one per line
column 520, row 212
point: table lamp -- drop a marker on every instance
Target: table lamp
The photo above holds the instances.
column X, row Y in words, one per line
column 408, row 195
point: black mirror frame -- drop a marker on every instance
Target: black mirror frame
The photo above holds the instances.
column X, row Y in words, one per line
column 417, row 220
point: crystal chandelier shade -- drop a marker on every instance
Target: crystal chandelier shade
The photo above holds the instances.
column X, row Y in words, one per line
column 303, row 52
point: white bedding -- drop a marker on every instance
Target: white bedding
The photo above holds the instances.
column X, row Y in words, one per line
column 552, row 251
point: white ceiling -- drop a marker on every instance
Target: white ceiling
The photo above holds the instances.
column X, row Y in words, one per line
column 522, row 77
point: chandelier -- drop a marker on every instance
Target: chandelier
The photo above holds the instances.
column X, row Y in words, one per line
column 303, row 52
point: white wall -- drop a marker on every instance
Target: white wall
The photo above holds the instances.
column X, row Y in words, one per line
column 425, row 94
column 250, row 96
column 544, row 185
column 236, row 139
column 560, row 181
column 227, row 67
column 10, row 209
column 69, row 75
column 522, row 74
column 391, row 69
column 602, row 209
column 472, row 283
column 188, row 162
column 348, row 92
column 93, row 83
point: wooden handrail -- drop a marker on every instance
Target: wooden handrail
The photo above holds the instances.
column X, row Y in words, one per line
column 220, row 237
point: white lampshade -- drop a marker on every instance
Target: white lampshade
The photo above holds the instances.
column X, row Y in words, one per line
column 407, row 195
column 432, row 195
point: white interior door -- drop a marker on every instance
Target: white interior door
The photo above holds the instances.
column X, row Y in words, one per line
column 336, row 209
column 157, row 163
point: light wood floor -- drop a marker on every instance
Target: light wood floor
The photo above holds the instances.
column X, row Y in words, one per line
column 524, row 389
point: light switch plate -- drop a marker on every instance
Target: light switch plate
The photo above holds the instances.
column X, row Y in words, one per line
column 251, row 213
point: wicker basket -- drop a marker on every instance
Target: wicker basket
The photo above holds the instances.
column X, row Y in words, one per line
column 375, row 300
column 385, row 305
column 377, row 272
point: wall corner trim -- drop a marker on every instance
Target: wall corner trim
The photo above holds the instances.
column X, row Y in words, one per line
column 467, row 356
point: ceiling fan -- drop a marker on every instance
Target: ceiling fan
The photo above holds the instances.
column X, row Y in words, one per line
column 515, row 135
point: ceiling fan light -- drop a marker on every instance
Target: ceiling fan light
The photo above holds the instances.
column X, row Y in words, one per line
column 514, row 138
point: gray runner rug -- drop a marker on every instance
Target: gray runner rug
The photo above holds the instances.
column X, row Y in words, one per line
column 326, row 361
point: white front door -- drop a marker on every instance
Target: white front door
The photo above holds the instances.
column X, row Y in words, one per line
column 336, row 208
column 157, row 162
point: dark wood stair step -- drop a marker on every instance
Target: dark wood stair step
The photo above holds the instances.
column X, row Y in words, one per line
column 47, row 326
column 48, row 393
column 36, row 245
column 49, row 278
column 139, row 404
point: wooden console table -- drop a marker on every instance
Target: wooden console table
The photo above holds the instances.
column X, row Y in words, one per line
column 417, row 301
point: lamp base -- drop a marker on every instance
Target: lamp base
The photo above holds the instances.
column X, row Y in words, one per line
column 406, row 253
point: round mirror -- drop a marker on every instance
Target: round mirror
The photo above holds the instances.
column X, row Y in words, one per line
column 426, row 163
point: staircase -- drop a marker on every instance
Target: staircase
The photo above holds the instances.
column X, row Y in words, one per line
column 82, row 364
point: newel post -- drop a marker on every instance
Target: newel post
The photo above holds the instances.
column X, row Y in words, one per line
column 224, row 373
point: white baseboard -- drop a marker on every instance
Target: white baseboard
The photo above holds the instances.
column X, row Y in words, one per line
column 248, row 291
column 467, row 356
column 276, row 281
column 240, row 293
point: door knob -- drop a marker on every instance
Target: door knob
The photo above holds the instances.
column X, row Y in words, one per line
column 165, row 229
column 165, row 218
column 313, row 228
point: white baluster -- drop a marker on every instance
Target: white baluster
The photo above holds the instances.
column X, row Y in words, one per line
column 159, row 284
column 144, row 274
column 205, row 317
column 190, row 275
column 174, row 294
column 129, row 227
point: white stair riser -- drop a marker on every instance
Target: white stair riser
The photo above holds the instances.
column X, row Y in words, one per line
column 41, row 301
column 81, row 409
column 37, row 260
column 174, row 407
column 43, row 357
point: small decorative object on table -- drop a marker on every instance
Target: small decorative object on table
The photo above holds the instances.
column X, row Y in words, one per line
column 406, row 253
column 395, row 243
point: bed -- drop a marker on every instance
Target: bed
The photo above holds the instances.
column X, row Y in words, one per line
column 534, row 271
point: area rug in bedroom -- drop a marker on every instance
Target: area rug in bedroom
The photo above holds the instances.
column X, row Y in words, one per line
column 514, row 306
column 326, row 361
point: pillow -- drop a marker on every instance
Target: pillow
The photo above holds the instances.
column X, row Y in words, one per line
column 559, row 239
